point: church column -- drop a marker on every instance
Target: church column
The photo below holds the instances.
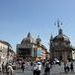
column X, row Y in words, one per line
column 65, row 56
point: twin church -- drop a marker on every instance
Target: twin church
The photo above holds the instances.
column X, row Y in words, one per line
column 60, row 47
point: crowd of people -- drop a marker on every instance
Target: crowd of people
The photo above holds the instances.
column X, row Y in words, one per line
column 35, row 66
column 68, row 66
column 7, row 68
column 38, row 66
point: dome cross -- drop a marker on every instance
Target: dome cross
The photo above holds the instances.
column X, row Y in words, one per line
column 58, row 23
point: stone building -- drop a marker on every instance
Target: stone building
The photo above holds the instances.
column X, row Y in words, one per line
column 31, row 48
column 5, row 52
column 60, row 47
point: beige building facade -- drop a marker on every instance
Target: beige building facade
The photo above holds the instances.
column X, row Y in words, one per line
column 3, row 52
column 31, row 48
column 6, row 52
column 61, row 48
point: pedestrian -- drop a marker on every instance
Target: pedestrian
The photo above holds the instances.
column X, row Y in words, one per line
column 34, row 69
column 6, row 67
column 66, row 67
column 10, row 69
column 3, row 67
column 23, row 66
column 38, row 70
column 47, row 68
column 71, row 67
column 43, row 63
column 31, row 63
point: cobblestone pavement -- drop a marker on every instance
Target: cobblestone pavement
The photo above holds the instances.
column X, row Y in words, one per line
column 30, row 73
column 19, row 72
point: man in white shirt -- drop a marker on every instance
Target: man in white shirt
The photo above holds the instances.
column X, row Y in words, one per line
column 39, row 66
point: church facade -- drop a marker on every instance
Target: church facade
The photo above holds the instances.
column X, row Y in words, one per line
column 61, row 48
column 31, row 48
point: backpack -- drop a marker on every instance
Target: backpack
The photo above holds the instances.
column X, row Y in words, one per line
column 47, row 67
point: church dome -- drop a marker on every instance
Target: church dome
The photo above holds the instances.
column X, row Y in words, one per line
column 38, row 40
column 61, row 37
column 28, row 39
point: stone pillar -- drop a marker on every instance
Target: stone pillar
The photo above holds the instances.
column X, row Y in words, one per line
column 65, row 56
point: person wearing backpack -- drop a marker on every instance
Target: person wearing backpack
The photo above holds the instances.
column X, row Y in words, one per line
column 47, row 68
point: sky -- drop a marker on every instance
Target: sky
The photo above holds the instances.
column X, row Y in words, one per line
column 18, row 17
